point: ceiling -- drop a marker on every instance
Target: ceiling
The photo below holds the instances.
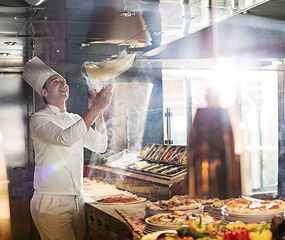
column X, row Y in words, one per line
column 105, row 27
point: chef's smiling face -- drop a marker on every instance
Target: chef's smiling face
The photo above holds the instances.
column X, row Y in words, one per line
column 56, row 88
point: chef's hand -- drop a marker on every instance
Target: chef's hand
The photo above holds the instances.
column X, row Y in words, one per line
column 103, row 98
column 97, row 104
column 100, row 123
column 91, row 97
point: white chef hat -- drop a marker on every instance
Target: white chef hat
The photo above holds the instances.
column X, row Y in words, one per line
column 36, row 72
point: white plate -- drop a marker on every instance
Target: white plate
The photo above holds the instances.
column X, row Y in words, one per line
column 247, row 220
column 248, row 215
column 216, row 209
column 158, row 227
column 154, row 235
column 151, row 212
column 207, row 207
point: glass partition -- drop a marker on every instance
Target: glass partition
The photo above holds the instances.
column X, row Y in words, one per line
column 251, row 98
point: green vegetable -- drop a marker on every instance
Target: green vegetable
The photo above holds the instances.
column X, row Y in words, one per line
column 200, row 221
column 187, row 232
column 264, row 226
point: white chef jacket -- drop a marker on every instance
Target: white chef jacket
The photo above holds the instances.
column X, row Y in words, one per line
column 58, row 139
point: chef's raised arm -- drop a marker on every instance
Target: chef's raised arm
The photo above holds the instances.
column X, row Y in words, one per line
column 45, row 129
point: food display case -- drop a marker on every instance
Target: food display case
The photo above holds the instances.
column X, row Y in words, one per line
column 160, row 160
column 157, row 172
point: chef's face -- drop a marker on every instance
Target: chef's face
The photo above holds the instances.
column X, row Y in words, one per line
column 56, row 88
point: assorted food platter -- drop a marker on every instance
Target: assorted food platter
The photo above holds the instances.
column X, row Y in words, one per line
column 176, row 203
column 251, row 211
column 164, row 221
column 180, row 203
column 150, row 212
column 164, row 153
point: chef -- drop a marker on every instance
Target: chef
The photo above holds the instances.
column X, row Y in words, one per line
column 57, row 205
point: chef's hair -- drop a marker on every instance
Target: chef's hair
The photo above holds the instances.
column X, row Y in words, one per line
column 44, row 99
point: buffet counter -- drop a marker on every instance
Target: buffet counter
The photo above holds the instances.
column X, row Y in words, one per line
column 112, row 221
column 107, row 222
column 121, row 215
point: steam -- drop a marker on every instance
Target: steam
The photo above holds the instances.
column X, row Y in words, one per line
column 129, row 108
column 125, row 117
column 125, row 120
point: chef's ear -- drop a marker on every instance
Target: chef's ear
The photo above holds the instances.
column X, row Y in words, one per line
column 44, row 92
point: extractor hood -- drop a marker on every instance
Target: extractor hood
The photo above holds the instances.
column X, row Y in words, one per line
column 258, row 32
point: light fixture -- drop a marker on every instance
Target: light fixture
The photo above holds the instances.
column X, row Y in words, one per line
column 189, row 17
column 126, row 12
column 10, row 43
column 4, row 54
column 34, row 2
column 156, row 34
column 276, row 62
column 84, row 45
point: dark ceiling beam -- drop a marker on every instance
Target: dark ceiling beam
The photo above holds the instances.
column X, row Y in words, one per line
column 14, row 3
